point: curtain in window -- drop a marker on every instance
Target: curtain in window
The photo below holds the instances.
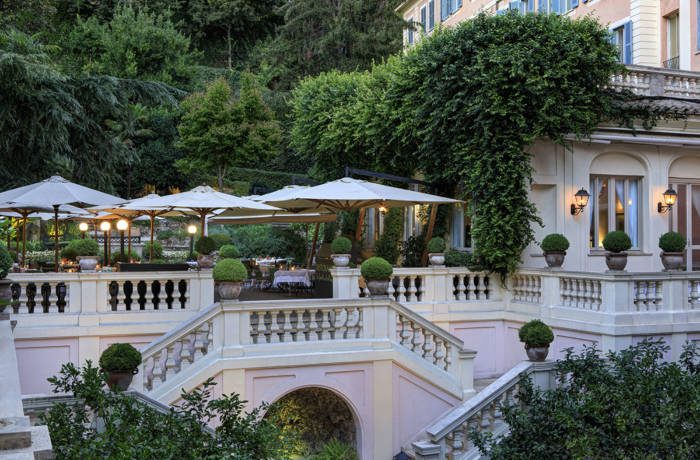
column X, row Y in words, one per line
column 633, row 212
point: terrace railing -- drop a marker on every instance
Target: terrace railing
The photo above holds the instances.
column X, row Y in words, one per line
column 652, row 81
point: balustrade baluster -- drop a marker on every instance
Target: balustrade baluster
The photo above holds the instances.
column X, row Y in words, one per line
column 462, row 293
column 325, row 324
column 402, row 290
column 23, row 306
column 470, row 288
column 148, row 368
column 294, row 321
column 286, row 335
column 314, row 329
column 52, row 297
column 392, row 290
column 411, row 290
column 254, row 327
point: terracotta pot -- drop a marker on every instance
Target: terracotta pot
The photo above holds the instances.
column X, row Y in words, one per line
column 537, row 354
column 87, row 263
column 205, row 261
column 616, row 261
column 554, row 259
column 437, row 259
column 120, row 380
column 378, row 288
column 341, row 260
column 229, row 290
column 672, row 260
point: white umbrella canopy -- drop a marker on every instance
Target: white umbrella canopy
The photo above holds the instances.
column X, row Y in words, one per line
column 281, row 194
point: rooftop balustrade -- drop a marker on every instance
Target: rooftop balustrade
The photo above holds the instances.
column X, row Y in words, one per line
column 654, row 81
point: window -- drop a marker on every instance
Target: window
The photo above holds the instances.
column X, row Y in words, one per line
column 410, row 31
column 672, row 39
column 621, row 37
column 431, row 15
column 448, row 7
column 614, row 206
column 461, row 228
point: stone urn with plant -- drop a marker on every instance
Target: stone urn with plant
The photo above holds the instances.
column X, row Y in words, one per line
column 554, row 247
column 229, row 274
column 120, row 361
column 537, row 336
column 85, row 251
column 377, row 274
column 436, row 252
column 616, row 244
column 205, row 247
column 341, row 248
column 5, row 284
column 672, row 246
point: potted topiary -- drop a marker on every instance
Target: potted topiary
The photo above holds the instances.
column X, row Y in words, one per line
column 436, row 251
column 85, row 251
column 230, row 274
column 616, row 243
column 5, row 284
column 229, row 251
column 341, row 248
column 205, row 247
column 554, row 247
column 377, row 273
column 537, row 336
column 120, row 361
column 672, row 246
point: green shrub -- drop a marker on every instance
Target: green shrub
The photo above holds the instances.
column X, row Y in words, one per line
column 230, row 270
column 229, row 251
column 617, row 241
column 205, row 245
column 341, row 245
column 221, row 239
column 672, row 242
column 335, row 450
column 14, row 254
column 387, row 245
column 554, row 242
column 81, row 247
column 412, row 251
column 455, row 258
column 376, row 268
column 536, row 334
column 117, row 256
column 120, row 357
column 5, row 262
column 157, row 250
column 436, row 245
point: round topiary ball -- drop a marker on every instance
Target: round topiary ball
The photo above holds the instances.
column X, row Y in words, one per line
column 229, row 251
column 221, row 239
column 120, row 357
column 617, row 241
column 5, row 262
column 376, row 268
column 230, row 270
column 536, row 334
column 554, row 242
column 436, row 245
column 672, row 242
column 341, row 245
column 205, row 245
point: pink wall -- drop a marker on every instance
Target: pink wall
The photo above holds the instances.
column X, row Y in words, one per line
column 605, row 11
column 40, row 359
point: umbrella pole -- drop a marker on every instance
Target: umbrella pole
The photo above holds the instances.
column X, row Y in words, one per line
column 55, row 236
column 129, row 236
column 313, row 246
column 429, row 233
column 17, row 239
column 24, row 239
column 360, row 224
column 203, row 216
column 150, row 250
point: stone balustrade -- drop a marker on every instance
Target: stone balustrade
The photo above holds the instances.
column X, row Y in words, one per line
column 652, row 81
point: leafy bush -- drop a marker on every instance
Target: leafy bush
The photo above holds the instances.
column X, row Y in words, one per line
column 617, row 241
column 220, row 239
column 436, row 245
column 157, row 251
column 81, row 247
column 230, row 270
column 335, row 450
column 205, row 245
column 412, row 251
column 672, row 242
column 120, row 357
column 455, row 258
column 536, row 334
column 5, row 262
column 387, row 245
column 14, row 254
column 117, row 256
column 376, row 268
column 229, row 251
column 341, row 245
column 554, row 242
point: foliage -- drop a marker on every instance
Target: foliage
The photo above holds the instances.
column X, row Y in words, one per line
column 230, row 270
column 672, row 242
column 131, row 429
column 219, row 131
column 335, row 450
column 376, row 268
column 205, row 245
column 229, row 251
column 6, row 262
column 341, row 245
column 221, row 239
column 617, row 241
column 436, row 244
column 266, row 240
column 554, row 242
column 117, row 256
column 412, row 251
column 455, row 258
column 627, row 404
column 120, row 357
column 387, row 245
column 81, row 247
column 157, row 250
column 536, row 334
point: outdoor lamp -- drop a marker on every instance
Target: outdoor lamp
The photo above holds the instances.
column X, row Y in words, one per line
column 106, row 227
column 580, row 201
column 122, row 225
column 83, row 227
column 670, row 197
column 382, row 209
column 192, row 230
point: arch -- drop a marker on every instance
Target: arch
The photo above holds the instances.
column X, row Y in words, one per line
column 618, row 164
column 328, row 410
column 685, row 167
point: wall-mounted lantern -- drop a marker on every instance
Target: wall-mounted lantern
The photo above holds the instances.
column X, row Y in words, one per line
column 580, row 201
column 670, row 197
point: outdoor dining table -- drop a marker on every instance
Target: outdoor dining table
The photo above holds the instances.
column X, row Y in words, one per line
column 300, row 277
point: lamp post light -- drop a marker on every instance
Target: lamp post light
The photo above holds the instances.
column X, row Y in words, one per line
column 670, row 197
column 122, row 225
column 106, row 227
column 83, row 227
column 192, row 230
column 580, row 201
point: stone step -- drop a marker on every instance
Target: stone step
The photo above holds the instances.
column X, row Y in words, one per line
column 39, row 447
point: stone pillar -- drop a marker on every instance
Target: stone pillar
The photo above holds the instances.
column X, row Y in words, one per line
column 383, row 409
column 425, row 450
column 466, row 373
column 345, row 283
column 645, row 16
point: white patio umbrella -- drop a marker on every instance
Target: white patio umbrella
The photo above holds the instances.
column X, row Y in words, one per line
column 55, row 192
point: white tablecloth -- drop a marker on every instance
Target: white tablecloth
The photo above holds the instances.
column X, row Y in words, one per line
column 299, row 277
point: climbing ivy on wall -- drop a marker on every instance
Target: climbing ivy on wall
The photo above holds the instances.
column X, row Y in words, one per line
column 465, row 105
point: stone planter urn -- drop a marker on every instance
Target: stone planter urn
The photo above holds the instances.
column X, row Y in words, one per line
column 672, row 261
column 437, row 259
column 554, row 259
column 537, row 354
column 87, row 263
column 120, row 380
column 378, row 288
column 341, row 260
column 205, row 261
column 230, row 290
column 616, row 261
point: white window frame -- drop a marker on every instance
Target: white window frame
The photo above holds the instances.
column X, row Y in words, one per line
column 597, row 244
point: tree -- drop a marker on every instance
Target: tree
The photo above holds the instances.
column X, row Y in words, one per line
column 627, row 404
column 219, row 131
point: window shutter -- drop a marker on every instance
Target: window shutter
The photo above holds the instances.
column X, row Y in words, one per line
column 542, row 6
column 530, row 6
column 431, row 14
column 574, row 4
column 459, row 4
column 424, row 19
column 627, row 46
column 444, row 9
